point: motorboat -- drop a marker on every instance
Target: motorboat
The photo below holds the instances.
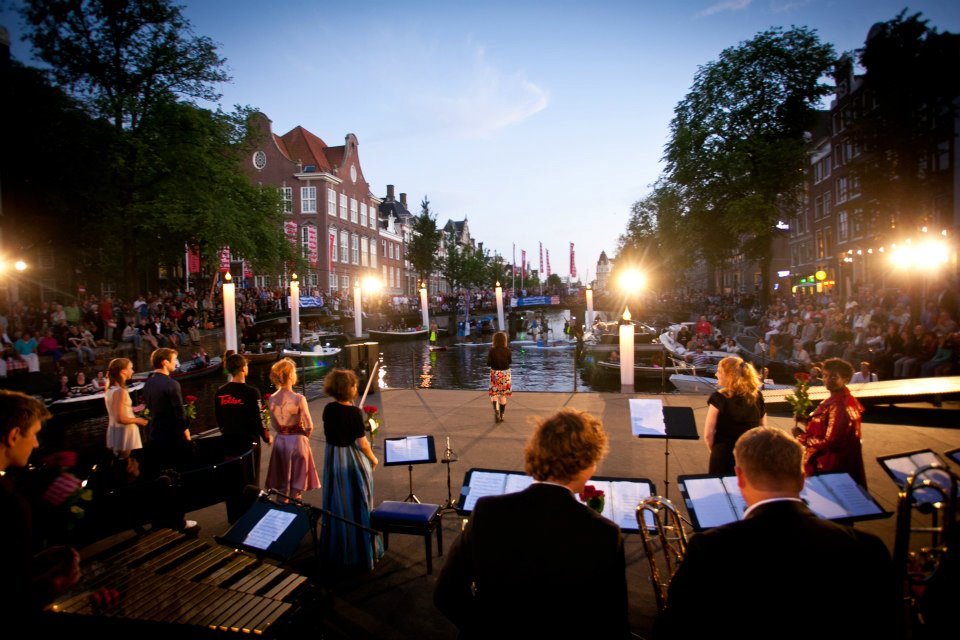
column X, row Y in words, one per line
column 89, row 401
column 401, row 334
column 188, row 370
column 686, row 383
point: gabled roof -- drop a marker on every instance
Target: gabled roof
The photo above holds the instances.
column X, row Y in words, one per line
column 335, row 155
column 281, row 145
column 306, row 148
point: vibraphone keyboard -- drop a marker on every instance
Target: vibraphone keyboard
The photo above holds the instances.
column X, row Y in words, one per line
column 168, row 577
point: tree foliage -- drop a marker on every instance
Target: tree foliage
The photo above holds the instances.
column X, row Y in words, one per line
column 424, row 242
column 123, row 57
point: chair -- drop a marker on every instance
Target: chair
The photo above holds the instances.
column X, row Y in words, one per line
column 409, row 518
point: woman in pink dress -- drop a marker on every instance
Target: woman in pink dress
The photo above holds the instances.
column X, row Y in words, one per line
column 292, row 469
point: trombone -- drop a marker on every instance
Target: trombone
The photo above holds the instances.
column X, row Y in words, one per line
column 657, row 516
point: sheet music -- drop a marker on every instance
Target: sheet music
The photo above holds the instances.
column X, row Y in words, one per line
column 710, row 501
column 411, row 449
column 821, row 500
column 901, row 468
column 733, row 491
column 270, row 527
column 905, row 466
column 850, row 495
column 646, row 418
column 626, row 497
column 517, row 482
column 483, row 483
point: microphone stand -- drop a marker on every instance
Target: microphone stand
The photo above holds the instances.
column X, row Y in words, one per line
column 449, row 457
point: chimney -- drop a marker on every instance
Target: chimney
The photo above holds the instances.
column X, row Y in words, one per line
column 403, row 200
column 389, row 193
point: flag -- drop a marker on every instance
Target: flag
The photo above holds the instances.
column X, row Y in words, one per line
column 523, row 265
column 333, row 243
column 224, row 259
column 193, row 261
column 540, row 270
column 573, row 264
column 290, row 229
column 548, row 263
column 312, row 252
column 247, row 270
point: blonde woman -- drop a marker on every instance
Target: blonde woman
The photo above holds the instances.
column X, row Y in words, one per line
column 123, row 428
column 292, row 469
column 735, row 408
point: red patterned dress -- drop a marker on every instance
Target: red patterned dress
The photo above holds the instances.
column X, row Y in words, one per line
column 832, row 438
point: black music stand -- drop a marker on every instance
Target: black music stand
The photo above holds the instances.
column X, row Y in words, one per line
column 272, row 530
column 954, row 454
column 677, row 422
column 449, row 457
column 409, row 450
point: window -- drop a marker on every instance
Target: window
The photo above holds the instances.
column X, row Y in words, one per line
column 331, row 202
column 263, row 282
column 364, row 251
column 353, row 210
column 828, row 241
column 383, row 245
column 355, row 249
column 386, row 273
column 333, row 281
column 333, row 245
column 843, row 189
column 286, row 194
column 821, row 169
column 826, row 203
column 854, row 186
column 373, row 253
column 344, row 247
column 843, row 226
column 390, row 250
column 374, row 216
column 795, row 256
column 305, row 240
column 308, row 199
column 345, row 283
column 343, row 206
column 808, row 252
column 818, row 207
column 856, row 223
column 363, row 214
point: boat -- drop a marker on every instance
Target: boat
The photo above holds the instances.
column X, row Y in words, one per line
column 316, row 352
column 686, row 383
column 438, row 348
column 257, row 358
column 402, row 334
column 668, row 340
column 189, row 370
column 92, row 401
column 650, row 371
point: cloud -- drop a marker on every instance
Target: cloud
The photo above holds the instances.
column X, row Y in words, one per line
column 725, row 5
column 788, row 5
column 486, row 100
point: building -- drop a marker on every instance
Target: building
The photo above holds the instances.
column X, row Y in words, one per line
column 604, row 268
column 395, row 226
column 331, row 214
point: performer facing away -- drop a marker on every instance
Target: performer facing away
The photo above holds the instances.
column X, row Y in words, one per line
column 348, row 464
column 538, row 563
column 780, row 565
column 292, row 469
column 123, row 428
column 735, row 408
column 501, row 385
column 237, row 408
column 832, row 437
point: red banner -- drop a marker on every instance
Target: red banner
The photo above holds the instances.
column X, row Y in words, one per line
column 224, row 259
column 573, row 264
column 548, row 263
column 193, row 261
column 333, row 243
column 247, row 270
column 290, row 230
column 312, row 256
column 523, row 265
column 540, row 270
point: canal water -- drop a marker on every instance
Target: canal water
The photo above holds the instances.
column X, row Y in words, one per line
column 403, row 365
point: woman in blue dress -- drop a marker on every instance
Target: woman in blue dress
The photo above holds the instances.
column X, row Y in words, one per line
column 348, row 465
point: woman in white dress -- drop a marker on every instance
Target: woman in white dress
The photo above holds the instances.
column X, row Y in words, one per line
column 123, row 428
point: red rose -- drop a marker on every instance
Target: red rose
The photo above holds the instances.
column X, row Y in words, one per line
column 267, row 396
column 61, row 459
column 588, row 492
column 370, row 409
column 801, row 377
column 191, row 399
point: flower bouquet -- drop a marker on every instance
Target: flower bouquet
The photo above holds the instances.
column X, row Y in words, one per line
column 799, row 400
column 190, row 408
column 371, row 420
column 593, row 498
column 265, row 412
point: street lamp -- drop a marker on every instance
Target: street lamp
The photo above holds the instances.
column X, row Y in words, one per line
column 229, row 312
column 371, row 285
column 499, row 294
column 294, row 310
column 424, row 308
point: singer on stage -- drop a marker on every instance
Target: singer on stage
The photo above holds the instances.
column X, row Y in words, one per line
column 538, row 563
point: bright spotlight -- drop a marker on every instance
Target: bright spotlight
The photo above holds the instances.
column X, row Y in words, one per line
column 372, row 285
column 632, row 280
column 20, row 265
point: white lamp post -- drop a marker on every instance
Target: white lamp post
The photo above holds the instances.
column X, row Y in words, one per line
column 589, row 307
column 229, row 312
column 626, row 351
column 294, row 310
column 357, row 312
column 424, row 308
column 499, row 293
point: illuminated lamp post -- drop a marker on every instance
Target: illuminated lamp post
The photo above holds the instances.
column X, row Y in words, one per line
column 294, row 310
column 229, row 312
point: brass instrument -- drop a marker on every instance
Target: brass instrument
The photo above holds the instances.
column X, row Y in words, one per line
column 916, row 569
column 667, row 525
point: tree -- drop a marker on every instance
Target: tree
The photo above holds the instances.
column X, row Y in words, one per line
column 424, row 242
column 911, row 84
column 737, row 148
column 123, row 57
column 464, row 267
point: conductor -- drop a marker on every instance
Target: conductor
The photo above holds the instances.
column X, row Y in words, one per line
column 525, row 558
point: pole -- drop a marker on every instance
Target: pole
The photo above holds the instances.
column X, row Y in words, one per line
column 294, row 310
column 357, row 312
column 499, row 295
column 626, row 353
column 229, row 313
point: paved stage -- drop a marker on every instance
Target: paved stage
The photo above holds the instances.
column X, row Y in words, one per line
column 396, row 600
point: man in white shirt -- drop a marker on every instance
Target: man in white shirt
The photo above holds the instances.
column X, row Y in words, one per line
column 864, row 374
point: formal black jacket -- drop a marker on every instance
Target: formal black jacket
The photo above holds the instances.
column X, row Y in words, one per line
column 544, row 566
column 782, row 573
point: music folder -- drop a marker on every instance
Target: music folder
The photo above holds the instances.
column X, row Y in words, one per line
column 900, row 466
column 409, row 450
column 954, row 454
column 269, row 529
column 650, row 419
column 621, row 495
column 716, row 500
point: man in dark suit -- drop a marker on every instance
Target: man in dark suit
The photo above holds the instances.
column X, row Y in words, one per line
column 538, row 563
column 781, row 565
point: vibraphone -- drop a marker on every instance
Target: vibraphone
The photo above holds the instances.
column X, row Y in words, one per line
column 168, row 577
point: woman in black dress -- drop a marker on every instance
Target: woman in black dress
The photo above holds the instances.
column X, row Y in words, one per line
column 733, row 409
column 501, row 386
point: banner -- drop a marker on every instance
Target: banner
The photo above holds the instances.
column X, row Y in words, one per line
column 540, row 270
column 548, row 263
column 224, row 259
column 290, row 230
column 523, row 265
column 312, row 256
column 573, row 264
column 333, row 243
column 247, row 270
column 193, row 261
column 534, row 300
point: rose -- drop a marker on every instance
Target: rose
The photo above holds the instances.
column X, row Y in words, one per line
column 370, row 409
column 593, row 498
column 191, row 399
column 801, row 377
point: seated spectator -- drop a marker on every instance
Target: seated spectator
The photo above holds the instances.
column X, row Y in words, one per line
column 864, row 374
column 942, row 356
column 132, row 335
column 779, row 558
column 81, row 345
column 26, row 347
column 909, row 367
column 945, row 324
column 48, row 346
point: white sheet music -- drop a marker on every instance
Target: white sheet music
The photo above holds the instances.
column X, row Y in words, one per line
column 851, row 496
column 733, row 490
column 483, row 483
column 626, row 497
column 270, row 527
column 646, row 418
column 710, row 502
column 411, row 449
column 517, row 482
column 902, row 468
column 821, row 500
column 905, row 466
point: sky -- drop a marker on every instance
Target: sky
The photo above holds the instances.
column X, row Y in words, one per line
column 535, row 121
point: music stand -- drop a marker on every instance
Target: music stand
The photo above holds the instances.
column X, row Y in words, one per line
column 650, row 419
column 270, row 529
column 900, row 466
column 449, row 457
column 954, row 454
column 409, row 450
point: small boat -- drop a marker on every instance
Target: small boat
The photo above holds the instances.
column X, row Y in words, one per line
column 257, row 358
column 650, row 371
column 92, row 401
column 438, row 348
column 189, row 370
column 316, row 352
column 669, row 341
column 556, row 345
column 402, row 334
